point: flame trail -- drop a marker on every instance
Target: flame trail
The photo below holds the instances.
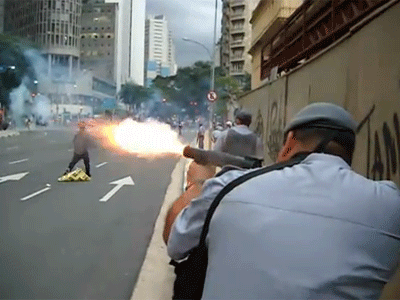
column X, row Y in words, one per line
column 143, row 139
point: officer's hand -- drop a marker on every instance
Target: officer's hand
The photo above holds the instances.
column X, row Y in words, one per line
column 199, row 173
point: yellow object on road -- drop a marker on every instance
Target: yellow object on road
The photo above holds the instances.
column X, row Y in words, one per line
column 77, row 175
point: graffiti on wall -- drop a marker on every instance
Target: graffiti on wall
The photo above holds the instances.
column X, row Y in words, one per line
column 275, row 130
column 259, row 125
column 383, row 147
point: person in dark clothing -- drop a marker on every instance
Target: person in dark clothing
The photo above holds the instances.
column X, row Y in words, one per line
column 81, row 144
column 200, row 136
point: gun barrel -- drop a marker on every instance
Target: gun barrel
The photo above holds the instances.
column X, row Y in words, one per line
column 216, row 158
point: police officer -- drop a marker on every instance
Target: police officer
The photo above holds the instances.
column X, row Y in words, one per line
column 310, row 229
column 240, row 140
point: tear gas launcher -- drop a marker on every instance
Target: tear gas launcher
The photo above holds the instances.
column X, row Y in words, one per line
column 220, row 159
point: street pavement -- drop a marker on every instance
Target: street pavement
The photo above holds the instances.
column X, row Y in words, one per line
column 58, row 241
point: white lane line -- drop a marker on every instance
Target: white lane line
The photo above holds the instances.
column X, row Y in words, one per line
column 70, row 150
column 35, row 194
column 12, row 148
column 102, row 164
column 17, row 161
column 53, row 142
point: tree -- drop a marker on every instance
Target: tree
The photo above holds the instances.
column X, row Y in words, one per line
column 189, row 87
column 14, row 65
column 228, row 89
column 133, row 94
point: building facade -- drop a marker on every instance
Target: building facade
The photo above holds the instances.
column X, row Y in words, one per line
column 1, row 16
column 159, row 49
column 268, row 18
column 98, row 39
column 55, row 27
column 129, row 47
column 236, row 37
column 52, row 25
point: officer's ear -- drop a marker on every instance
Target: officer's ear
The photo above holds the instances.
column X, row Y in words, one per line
column 289, row 147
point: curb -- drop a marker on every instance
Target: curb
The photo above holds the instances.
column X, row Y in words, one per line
column 4, row 134
column 156, row 276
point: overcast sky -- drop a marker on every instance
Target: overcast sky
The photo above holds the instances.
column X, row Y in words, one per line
column 193, row 19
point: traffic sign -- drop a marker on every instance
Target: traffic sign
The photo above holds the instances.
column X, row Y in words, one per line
column 212, row 96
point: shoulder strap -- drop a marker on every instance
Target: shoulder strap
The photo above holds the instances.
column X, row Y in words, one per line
column 231, row 185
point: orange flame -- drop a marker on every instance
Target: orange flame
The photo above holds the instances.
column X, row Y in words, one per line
column 143, row 139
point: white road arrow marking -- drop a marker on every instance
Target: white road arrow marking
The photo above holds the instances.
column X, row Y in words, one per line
column 102, row 164
column 12, row 148
column 14, row 177
column 36, row 193
column 119, row 184
column 17, row 161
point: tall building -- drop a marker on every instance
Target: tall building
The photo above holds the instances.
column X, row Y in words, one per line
column 114, row 45
column 1, row 16
column 159, row 49
column 54, row 25
column 129, row 43
column 236, row 36
column 98, row 39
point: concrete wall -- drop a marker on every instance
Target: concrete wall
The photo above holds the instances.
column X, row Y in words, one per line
column 362, row 74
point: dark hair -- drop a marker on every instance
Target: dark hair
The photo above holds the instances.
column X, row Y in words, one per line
column 342, row 144
column 244, row 118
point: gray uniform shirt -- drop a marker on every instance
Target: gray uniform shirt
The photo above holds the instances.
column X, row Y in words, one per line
column 316, row 230
column 241, row 130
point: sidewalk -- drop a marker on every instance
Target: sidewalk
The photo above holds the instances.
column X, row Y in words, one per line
column 156, row 277
column 7, row 133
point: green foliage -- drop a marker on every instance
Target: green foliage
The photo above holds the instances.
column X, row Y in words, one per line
column 12, row 54
column 133, row 94
column 189, row 87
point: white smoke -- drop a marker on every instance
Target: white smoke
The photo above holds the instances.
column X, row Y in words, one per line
column 20, row 100
column 22, row 104
column 42, row 108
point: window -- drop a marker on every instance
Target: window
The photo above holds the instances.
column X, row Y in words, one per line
column 82, row 36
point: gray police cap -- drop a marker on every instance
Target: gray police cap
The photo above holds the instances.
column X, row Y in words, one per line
column 323, row 114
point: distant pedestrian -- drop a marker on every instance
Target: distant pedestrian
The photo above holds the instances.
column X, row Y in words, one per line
column 200, row 136
column 240, row 140
column 180, row 126
column 216, row 133
column 82, row 143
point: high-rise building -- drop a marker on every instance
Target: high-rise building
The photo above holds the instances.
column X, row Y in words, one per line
column 1, row 16
column 159, row 49
column 130, row 19
column 98, row 39
column 113, row 39
column 54, row 25
column 236, row 36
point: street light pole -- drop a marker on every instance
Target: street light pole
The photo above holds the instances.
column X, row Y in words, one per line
column 212, row 57
column 212, row 107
